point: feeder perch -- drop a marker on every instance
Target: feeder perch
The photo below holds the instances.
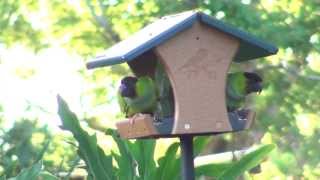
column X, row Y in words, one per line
column 196, row 51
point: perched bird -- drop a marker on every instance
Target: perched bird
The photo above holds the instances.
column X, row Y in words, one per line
column 137, row 95
column 239, row 85
column 165, row 103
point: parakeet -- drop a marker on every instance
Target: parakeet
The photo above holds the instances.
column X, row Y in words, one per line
column 137, row 95
column 165, row 104
column 239, row 85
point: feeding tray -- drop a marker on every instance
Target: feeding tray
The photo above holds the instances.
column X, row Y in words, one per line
column 144, row 125
column 196, row 51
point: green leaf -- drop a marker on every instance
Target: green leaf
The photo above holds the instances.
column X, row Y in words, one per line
column 168, row 164
column 72, row 167
column 212, row 170
column 69, row 119
column 143, row 153
column 47, row 176
column 247, row 162
column 43, row 150
column 30, row 173
column 99, row 165
column 125, row 160
column 199, row 143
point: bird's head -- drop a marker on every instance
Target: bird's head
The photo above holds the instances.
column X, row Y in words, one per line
column 127, row 87
column 254, row 82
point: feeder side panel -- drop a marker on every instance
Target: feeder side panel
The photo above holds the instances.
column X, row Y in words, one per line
column 197, row 62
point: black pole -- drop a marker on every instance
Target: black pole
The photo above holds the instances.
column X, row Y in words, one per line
column 187, row 165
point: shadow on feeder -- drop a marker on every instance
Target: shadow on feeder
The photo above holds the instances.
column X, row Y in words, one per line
column 196, row 52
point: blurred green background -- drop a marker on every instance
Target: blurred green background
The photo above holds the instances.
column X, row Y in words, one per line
column 44, row 45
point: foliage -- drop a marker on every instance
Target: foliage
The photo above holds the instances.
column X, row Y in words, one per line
column 33, row 172
column 136, row 159
column 26, row 143
column 17, row 149
column 249, row 161
column 16, row 24
column 99, row 165
column 29, row 173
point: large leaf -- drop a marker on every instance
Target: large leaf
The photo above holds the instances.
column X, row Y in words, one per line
column 147, row 163
column 199, row 143
column 247, row 162
column 99, row 165
column 43, row 150
column 143, row 152
column 168, row 164
column 212, row 170
column 138, row 154
column 30, row 173
column 44, row 175
column 125, row 160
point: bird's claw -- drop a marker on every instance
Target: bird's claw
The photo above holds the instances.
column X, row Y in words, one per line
column 133, row 118
column 242, row 114
column 131, row 121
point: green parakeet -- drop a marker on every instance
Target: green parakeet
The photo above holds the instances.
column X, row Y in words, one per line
column 137, row 95
column 239, row 85
column 165, row 104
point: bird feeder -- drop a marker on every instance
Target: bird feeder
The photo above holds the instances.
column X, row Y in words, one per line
column 196, row 51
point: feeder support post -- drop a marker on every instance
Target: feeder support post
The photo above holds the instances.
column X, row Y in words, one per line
column 187, row 163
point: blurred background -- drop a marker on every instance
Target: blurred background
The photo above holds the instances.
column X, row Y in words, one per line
column 44, row 45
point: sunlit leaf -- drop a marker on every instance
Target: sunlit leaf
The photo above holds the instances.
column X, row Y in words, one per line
column 30, row 173
column 44, row 175
column 99, row 165
column 168, row 164
column 212, row 170
column 200, row 143
column 125, row 159
column 247, row 162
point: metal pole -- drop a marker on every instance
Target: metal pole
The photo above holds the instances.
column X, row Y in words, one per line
column 187, row 165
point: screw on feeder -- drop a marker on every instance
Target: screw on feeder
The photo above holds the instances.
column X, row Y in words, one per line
column 187, row 126
column 219, row 124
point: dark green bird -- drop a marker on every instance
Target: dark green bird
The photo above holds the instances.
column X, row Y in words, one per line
column 239, row 85
column 165, row 103
column 137, row 95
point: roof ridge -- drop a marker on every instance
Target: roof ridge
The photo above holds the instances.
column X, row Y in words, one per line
column 180, row 14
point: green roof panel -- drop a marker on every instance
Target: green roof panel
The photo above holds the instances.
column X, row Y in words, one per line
column 166, row 27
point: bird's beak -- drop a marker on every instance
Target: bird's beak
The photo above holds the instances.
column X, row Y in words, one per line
column 123, row 89
column 259, row 88
column 256, row 87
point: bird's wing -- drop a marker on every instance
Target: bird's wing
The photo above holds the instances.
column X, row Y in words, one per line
column 145, row 99
column 236, row 85
column 122, row 104
column 165, row 105
column 235, row 90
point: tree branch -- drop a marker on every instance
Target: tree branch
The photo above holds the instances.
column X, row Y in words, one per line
column 102, row 21
column 293, row 72
column 193, row 4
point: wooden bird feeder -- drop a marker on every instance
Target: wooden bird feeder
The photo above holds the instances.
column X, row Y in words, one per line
column 196, row 51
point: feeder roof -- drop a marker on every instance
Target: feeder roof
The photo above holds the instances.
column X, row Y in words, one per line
column 166, row 27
